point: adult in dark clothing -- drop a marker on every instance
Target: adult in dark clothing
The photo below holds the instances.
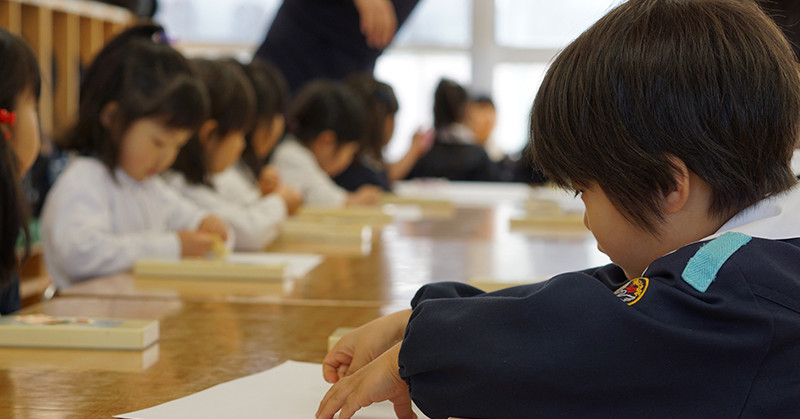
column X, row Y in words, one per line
column 332, row 39
column 141, row 8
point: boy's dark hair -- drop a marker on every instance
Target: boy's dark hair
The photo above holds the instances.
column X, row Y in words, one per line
column 19, row 73
column 326, row 105
column 711, row 82
column 272, row 97
column 147, row 78
column 449, row 103
column 232, row 107
column 380, row 103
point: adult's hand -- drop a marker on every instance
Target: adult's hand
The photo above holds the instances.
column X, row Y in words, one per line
column 378, row 21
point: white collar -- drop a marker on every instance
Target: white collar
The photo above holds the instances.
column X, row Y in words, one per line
column 776, row 217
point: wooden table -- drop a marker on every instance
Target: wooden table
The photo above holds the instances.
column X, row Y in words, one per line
column 473, row 245
column 201, row 344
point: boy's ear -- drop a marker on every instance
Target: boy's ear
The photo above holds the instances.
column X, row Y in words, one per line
column 207, row 131
column 109, row 114
column 676, row 199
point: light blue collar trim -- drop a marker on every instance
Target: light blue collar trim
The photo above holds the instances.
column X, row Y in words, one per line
column 702, row 268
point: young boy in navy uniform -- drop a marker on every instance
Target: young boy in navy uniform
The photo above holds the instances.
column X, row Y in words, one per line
column 675, row 120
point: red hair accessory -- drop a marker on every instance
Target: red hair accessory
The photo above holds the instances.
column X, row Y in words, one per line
column 7, row 117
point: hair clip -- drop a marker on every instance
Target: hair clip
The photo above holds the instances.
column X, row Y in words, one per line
column 7, row 117
column 161, row 37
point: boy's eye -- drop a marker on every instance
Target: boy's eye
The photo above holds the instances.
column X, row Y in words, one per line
column 578, row 192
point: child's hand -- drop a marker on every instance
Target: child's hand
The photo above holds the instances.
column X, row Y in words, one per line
column 365, row 195
column 194, row 243
column 269, row 180
column 376, row 382
column 214, row 225
column 362, row 345
column 292, row 198
column 422, row 142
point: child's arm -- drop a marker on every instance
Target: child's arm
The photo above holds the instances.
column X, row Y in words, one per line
column 291, row 197
column 376, row 382
column 361, row 346
column 420, row 144
column 254, row 224
column 365, row 195
column 269, row 180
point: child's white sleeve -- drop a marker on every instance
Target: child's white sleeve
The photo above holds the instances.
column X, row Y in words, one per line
column 299, row 169
column 180, row 213
column 255, row 225
column 79, row 242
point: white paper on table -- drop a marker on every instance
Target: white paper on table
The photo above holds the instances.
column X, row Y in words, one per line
column 288, row 391
column 464, row 193
column 297, row 264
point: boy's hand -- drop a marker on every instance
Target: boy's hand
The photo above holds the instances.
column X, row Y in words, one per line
column 214, row 225
column 376, row 382
column 269, row 180
column 292, row 198
column 194, row 243
column 365, row 195
column 362, row 345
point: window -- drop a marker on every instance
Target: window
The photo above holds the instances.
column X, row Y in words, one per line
column 545, row 23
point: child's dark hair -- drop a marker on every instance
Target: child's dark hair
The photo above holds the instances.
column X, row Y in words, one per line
column 232, row 107
column 19, row 74
column 710, row 82
column 380, row 103
column 272, row 97
column 449, row 103
column 326, row 105
column 146, row 78
column 483, row 100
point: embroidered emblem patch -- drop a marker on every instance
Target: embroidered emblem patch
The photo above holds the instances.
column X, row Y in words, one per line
column 632, row 291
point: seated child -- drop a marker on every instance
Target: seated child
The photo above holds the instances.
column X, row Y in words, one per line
column 326, row 122
column 19, row 144
column 250, row 178
column 140, row 102
column 675, row 121
column 216, row 147
column 368, row 166
column 454, row 154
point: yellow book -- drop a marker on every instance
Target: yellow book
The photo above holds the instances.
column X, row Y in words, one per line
column 210, row 269
column 40, row 330
column 366, row 215
column 298, row 230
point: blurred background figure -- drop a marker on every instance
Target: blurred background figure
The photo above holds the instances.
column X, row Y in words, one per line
column 369, row 166
column 455, row 154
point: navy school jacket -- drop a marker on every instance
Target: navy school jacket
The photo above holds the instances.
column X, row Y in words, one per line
column 593, row 344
